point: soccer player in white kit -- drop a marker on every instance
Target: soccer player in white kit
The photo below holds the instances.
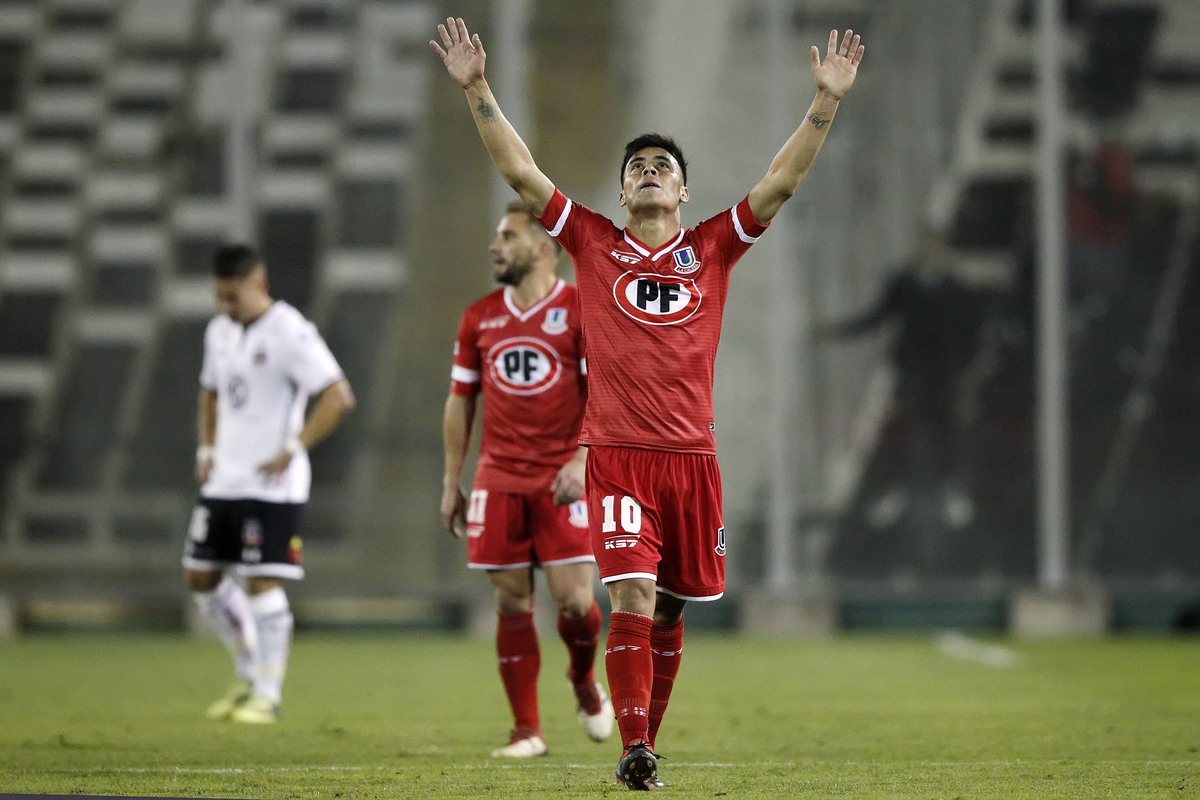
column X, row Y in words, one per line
column 263, row 361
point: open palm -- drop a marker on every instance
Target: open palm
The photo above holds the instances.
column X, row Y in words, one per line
column 837, row 72
column 462, row 53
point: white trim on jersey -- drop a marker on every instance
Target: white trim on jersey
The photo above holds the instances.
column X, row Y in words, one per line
column 741, row 232
column 533, row 309
column 562, row 219
column 464, row 375
column 662, row 251
column 669, row 247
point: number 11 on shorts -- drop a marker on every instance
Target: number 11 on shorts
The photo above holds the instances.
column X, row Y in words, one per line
column 631, row 514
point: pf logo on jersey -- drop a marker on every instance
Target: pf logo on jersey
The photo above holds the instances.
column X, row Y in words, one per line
column 656, row 299
column 524, row 365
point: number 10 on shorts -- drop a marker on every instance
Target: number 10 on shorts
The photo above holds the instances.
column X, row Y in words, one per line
column 631, row 514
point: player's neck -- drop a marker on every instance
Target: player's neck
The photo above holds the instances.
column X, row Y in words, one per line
column 655, row 227
column 257, row 311
column 533, row 289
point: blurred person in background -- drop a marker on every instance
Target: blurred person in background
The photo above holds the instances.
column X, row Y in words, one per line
column 1102, row 205
column 521, row 349
column 935, row 321
column 262, row 363
column 652, row 296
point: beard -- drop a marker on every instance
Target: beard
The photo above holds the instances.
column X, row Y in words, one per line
column 513, row 273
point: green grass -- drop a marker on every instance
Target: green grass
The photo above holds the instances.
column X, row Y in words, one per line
column 390, row 715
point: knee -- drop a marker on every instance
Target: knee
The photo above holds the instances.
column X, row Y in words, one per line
column 257, row 585
column 201, row 581
column 633, row 596
column 575, row 603
column 511, row 602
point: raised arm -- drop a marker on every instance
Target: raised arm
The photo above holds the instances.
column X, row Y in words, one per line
column 834, row 76
column 464, row 58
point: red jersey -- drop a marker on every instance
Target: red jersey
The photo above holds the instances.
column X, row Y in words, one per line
column 653, row 320
column 529, row 365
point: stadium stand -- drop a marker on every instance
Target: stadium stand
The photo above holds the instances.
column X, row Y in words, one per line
column 114, row 190
column 1135, row 67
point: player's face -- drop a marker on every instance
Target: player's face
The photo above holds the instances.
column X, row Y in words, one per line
column 653, row 179
column 513, row 250
column 241, row 299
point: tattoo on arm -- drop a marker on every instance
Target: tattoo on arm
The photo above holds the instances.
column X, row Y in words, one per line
column 486, row 112
column 819, row 119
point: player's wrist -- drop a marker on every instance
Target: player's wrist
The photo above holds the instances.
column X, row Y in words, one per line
column 204, row 453
column 294, row 447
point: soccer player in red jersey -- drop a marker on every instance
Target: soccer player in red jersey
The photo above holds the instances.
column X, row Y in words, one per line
column 651, row 296
column 521, row 347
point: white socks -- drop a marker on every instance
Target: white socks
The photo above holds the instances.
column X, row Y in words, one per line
column 227, row 609
column 274, row 618
column 256, row 629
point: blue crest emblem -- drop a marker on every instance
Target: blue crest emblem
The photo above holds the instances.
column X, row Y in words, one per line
column 685, row 260
column 556, row 321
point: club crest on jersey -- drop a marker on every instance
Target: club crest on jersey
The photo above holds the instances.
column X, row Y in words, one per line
column 685, row 260
column 239, row 391
column 524, row 365
column 656, row 299
column 555, row 322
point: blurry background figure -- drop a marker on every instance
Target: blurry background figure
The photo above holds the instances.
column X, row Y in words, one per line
column 936, row 323
column 1102, row 200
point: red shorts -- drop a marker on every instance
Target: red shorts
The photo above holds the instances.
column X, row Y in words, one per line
column 506, row 531
column 657, row 515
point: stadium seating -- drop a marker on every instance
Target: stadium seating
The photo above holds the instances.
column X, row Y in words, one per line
column 116, row 183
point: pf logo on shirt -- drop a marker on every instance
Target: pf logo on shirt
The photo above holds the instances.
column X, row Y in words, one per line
column 656, row 299
column 524, row 365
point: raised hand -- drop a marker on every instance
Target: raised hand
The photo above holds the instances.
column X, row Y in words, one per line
column 836, row 73
column 461, row 53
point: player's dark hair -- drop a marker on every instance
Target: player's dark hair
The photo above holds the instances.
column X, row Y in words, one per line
column 235, row 261
column 535, row 224
column 654, row 140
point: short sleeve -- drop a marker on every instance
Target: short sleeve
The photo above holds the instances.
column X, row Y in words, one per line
column 311, row 364
column 208, row 366
column 465, row 374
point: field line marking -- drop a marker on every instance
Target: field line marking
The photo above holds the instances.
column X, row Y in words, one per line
column 964, row 648
column 605, row 765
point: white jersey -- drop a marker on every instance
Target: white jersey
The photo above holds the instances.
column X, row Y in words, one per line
column 264, row 374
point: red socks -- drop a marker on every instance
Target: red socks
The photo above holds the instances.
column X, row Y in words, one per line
column 630, row 673
column 581, row 635
column 666, row 649
column 520, row 660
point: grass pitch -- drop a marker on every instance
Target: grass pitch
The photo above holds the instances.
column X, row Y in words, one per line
column 415, row 715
